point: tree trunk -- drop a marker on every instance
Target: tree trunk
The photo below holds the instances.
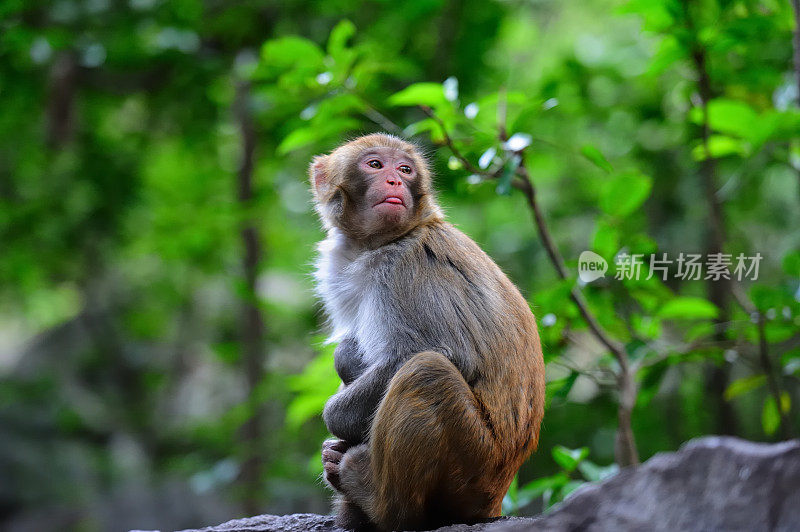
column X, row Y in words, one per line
column 719, row 291
column 61, row 100
column 253, row 329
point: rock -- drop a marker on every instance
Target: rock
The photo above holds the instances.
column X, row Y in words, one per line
column 713, row 483
column 322, row 523
column 283, row 523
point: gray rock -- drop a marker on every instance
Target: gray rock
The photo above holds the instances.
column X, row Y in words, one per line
column 710, row 484
column 284, row 523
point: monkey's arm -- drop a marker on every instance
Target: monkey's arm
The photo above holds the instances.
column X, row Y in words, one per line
column 348, row 414
column 348, row 359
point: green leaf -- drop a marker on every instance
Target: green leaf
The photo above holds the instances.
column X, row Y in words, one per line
column 298, row 138
column 606, row 239
column 731, row 117
column 770, row 417
column 313, row 387
column 744, row 385
column 509, row 169
column 775, row 125
column 791, row 263
column 560, row 387
column 229, row 352
column 569, row 459
column 536, row 488
column 291, row 52
column 688, row 308
column 625, row 193
column 596, row 157
column 719, row 146
column 511, row 498
column 593, row 472
column 342, row 104
column 513, row 488
column 646, row 326
column 669, row 52
column 765, row 297
column 791, row 362
column 569, row 487
column 308, row 135
column 426, row 124
column 303, row 408
column 429, row 94
column 340, row 34
column 656, row 16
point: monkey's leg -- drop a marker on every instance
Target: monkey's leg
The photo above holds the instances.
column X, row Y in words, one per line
column 354, row 483
column 429, row 450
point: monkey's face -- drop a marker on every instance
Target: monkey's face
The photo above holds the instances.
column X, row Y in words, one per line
column 383, row 184
column 375, row 188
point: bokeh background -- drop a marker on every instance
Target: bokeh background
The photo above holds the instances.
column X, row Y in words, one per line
column 161, row 355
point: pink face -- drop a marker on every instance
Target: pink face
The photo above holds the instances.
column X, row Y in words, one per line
column 390, row 176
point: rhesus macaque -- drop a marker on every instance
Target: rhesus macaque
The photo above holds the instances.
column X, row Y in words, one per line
column 442, row 375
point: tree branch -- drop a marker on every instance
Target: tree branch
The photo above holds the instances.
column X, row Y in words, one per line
column 625, row 446
column 381, row 119
column 526, row 185
column 765, row 361
column 451, row 145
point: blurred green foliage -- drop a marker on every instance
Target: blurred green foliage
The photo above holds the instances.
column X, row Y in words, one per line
column 123, row 382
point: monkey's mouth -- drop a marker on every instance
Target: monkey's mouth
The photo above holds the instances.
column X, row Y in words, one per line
column 391, row 200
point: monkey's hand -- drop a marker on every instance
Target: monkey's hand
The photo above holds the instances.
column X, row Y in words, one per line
column 348, row 414
column 332, row 452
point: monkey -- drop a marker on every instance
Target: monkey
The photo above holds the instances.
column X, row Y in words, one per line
column 442, row 392
column 348, row 361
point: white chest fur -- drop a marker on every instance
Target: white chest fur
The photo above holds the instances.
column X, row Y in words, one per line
column 348, row 289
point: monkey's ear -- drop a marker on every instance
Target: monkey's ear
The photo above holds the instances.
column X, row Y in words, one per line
column 318, row 172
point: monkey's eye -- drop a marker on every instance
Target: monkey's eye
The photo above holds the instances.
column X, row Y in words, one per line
column 405, row 169
column 374, row 163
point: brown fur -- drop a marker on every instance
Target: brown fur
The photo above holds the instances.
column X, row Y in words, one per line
column 439, row 421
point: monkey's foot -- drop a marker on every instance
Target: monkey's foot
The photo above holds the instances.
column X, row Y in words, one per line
column 332, row 452
column 350, row 517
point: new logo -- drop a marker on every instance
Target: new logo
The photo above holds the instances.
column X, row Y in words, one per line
column 591, row 266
